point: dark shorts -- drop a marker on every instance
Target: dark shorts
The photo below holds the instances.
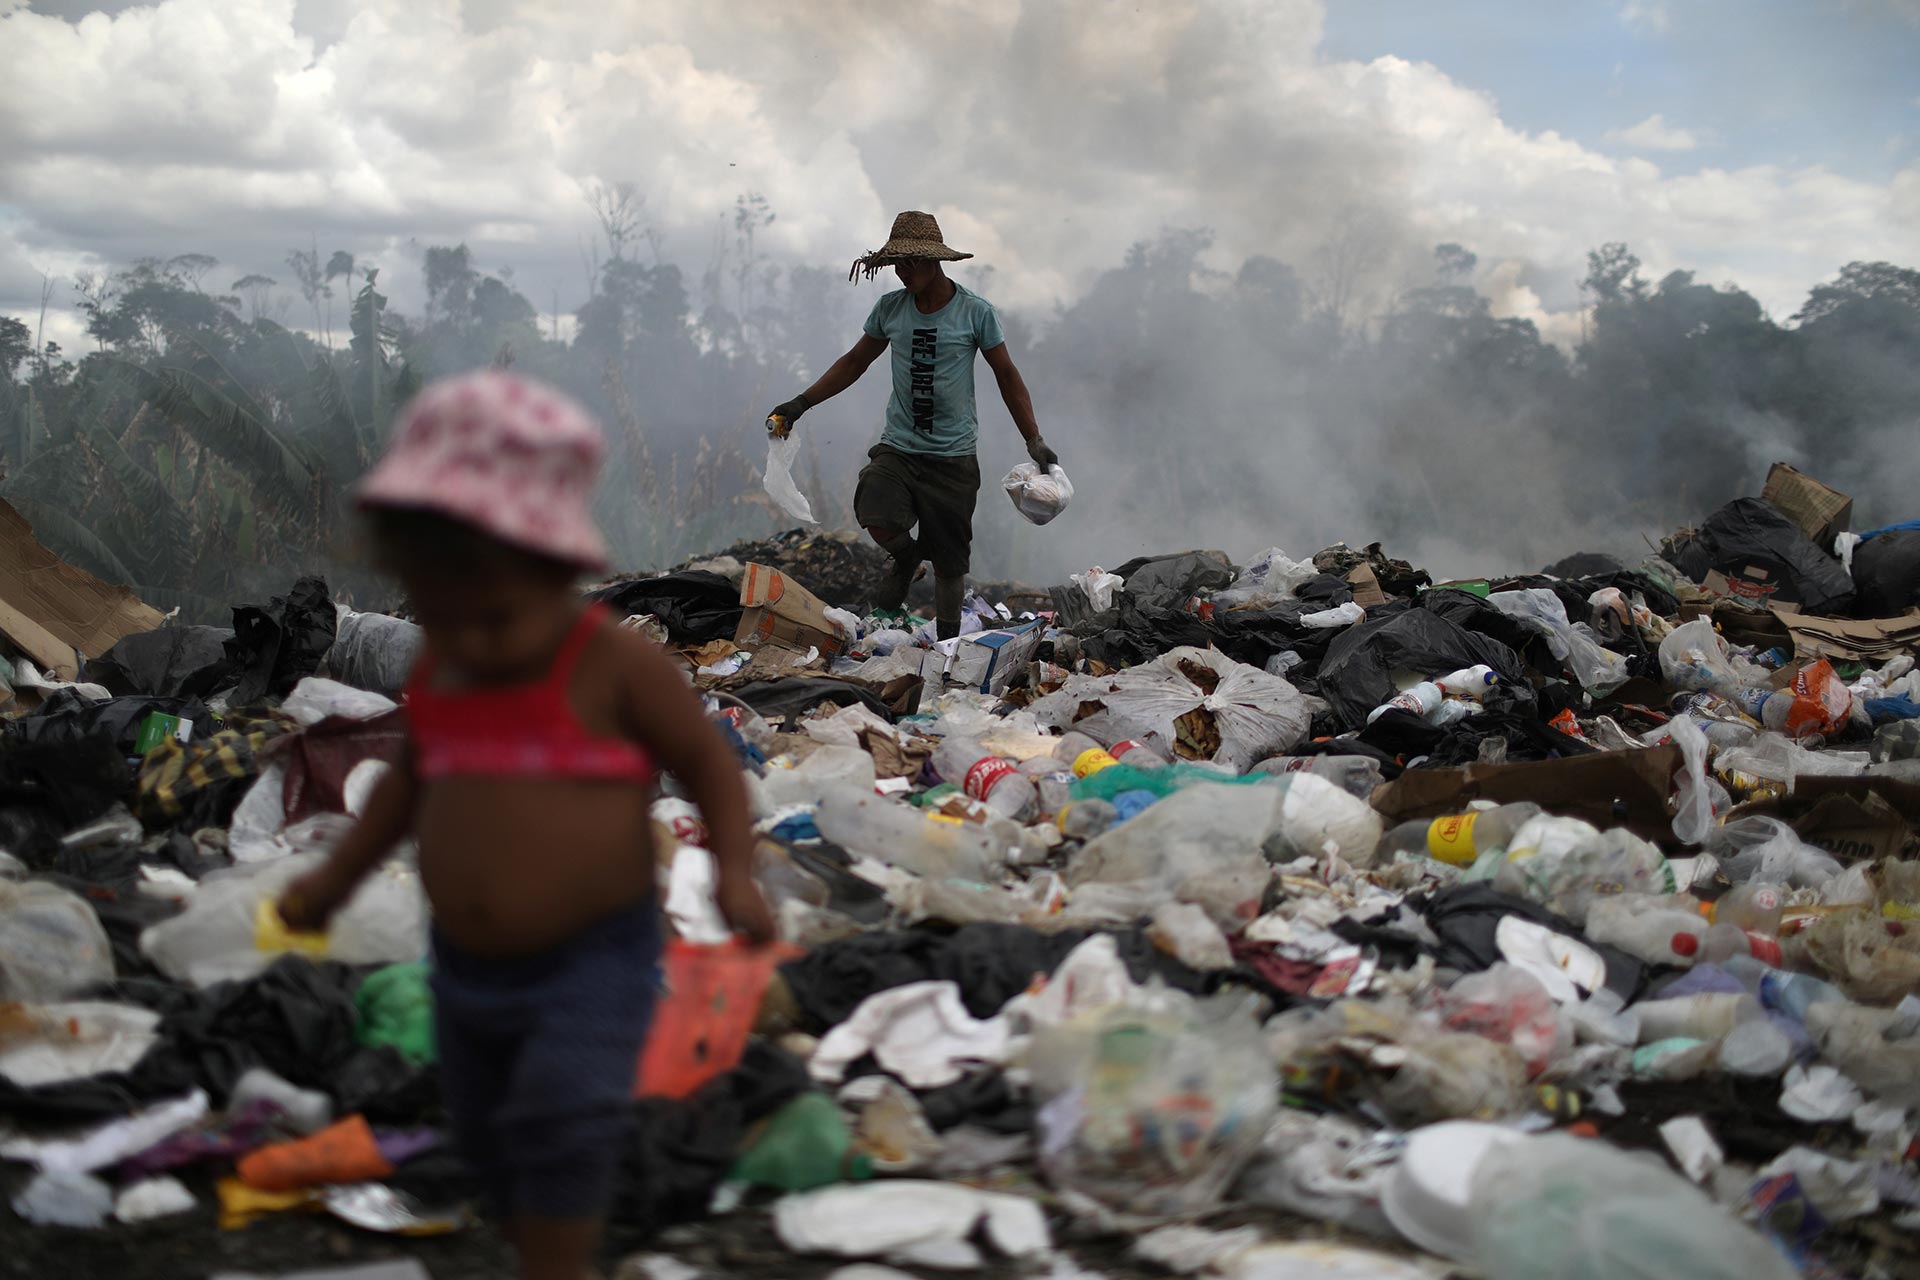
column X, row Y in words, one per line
column 900, row 490
column 537, row 1059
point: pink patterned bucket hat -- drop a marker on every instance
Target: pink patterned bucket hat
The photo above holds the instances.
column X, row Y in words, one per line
column 511, row 456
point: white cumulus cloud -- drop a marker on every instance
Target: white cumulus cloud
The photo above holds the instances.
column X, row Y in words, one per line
column 1654, row 134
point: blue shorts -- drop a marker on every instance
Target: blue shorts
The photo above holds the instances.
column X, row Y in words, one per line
column 537, row 1061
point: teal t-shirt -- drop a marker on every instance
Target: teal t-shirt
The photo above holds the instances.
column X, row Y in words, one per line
column 931, row 410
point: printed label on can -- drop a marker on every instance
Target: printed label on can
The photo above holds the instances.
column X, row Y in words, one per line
column 985, row 775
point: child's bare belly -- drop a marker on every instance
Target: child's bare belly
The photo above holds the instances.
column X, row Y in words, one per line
column 514, row 866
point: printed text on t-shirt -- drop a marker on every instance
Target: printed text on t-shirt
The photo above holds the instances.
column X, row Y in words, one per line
column 923, row 357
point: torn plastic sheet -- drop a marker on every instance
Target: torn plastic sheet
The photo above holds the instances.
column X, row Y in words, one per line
column 780, row 486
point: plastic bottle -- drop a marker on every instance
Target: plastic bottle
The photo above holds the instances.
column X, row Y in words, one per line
column 1646, row 927
column 1460, row 838
column 876, row 827
column 1083, row 754
column 1792, row 994
column 1771, row 707
column 1701, row 1017
column 1723, row 942
column 306, row 1110
column 1356, row 775
column 988, row 778
column 1422, row 699
column 1052, row 791
column 1754, row 906
column 1085, row 819
column 1469, row 682
column 1137, row 754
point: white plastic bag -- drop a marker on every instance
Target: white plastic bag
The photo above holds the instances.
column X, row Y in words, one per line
column 781, row 452
column 1272, row 576
column 219, row 936
column 1039, row 496
column 1598, row 669
column 1099, row 586
column 1692, row 800
column 51, row 943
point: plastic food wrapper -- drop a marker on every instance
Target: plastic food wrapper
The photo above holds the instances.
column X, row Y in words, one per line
column 1038, row 496
column 1152, row 1108
column 51, row 943
column 781, row 453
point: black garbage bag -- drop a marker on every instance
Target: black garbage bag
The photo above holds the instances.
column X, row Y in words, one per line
column 1170, row 580
column 696, row 606
column 1886, row 574
column 793, row 696
column 277, row 645
column 1750, row 537
column 1466, row 918
column 1136, row 631
column 1583, row 564
column 68, row 717
column 680, row 1150
column 1475, row 614
column 160, row 663
column 48, row 788
column 1357, row 674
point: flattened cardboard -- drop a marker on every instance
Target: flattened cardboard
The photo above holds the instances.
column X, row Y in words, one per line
column 988, row 659
column 1854, row 639
column 1366, row 587
column 778, row 610
column 71, row 605
column 1608, row 789
column 1854, row 819
column 1822, row 513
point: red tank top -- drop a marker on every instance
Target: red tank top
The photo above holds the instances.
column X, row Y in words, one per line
column 518, row 731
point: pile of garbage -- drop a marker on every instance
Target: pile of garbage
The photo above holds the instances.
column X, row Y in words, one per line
column 1273, row 917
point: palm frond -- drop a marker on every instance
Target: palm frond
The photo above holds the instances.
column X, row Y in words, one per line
column 67, row 538
column 228, row 429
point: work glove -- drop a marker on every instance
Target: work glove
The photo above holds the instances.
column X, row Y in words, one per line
column 1042, row 453
column 780, row 421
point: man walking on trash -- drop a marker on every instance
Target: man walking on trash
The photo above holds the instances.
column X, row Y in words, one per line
column 924, row 472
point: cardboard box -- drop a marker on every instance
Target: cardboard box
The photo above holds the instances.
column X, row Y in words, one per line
column 1850, row 639
column 1822, row 513
column 1854, row 819
column 49, row 608
column 988, row 659
column 1608, row 789
column 1366, row 587
column 157, row 728
column 779, row 611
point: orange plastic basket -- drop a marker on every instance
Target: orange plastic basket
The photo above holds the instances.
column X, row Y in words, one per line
column 706, row 1013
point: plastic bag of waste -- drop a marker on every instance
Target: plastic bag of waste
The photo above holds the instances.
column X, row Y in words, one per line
column 1564, row 864
column 1695, row 657
column 1763, row 848
column 1871, row 959
column 1507, row 1004
column 1695, row 794
column 1098, row 586
column 1201, row 845
column 1778, row 758
column 1154, row 1106
column 781, row 452
column 51, row 943
column 1879, row 1049
column 1203, row 703
column 1573, row 1209
column 1038, row 495
column 373, row 651
column 231, row 930
column 1272, row 576
column 1599, row 670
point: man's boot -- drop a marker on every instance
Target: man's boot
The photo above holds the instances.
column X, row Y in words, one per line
column 891, row 595
column 947, row 595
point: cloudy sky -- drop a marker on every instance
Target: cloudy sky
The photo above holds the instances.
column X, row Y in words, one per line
column 1759, row 141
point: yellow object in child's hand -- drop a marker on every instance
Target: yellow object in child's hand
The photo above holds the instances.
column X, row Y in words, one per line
column 271, row 934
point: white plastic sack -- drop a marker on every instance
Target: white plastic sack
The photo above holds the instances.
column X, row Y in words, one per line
column 920, row 1032
column 1038, row 496
column 373, row 651
column 51, row 943
column 1767, row 849
column 78, row 1039
column 1598, row 669
column 216, row 938
column 1254, row 714
column 780, row 486
column 1098, row 586
column 1695, row 656
column 1693, row 800
column 1273, row 575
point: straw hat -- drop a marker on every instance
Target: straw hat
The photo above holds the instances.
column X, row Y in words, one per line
column 915, row 235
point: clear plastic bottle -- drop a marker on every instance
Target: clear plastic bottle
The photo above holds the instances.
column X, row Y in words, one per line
column 1723, row 942
column 1460, row 838
column 1356, row 775
column 1647, row 927
column 1083, row 754
column 1136, row 754
column 1771, row 707
column 1792, row 994
column 1085, row 819
column 1422, row 699
column 990, row 779
column 1754, row 906
column 1052, row 791
column 875, row 827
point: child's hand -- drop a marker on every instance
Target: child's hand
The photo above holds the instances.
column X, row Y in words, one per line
column 739, row 900
column 309, row 902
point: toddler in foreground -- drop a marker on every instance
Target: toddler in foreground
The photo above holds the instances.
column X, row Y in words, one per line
column 536, row 732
